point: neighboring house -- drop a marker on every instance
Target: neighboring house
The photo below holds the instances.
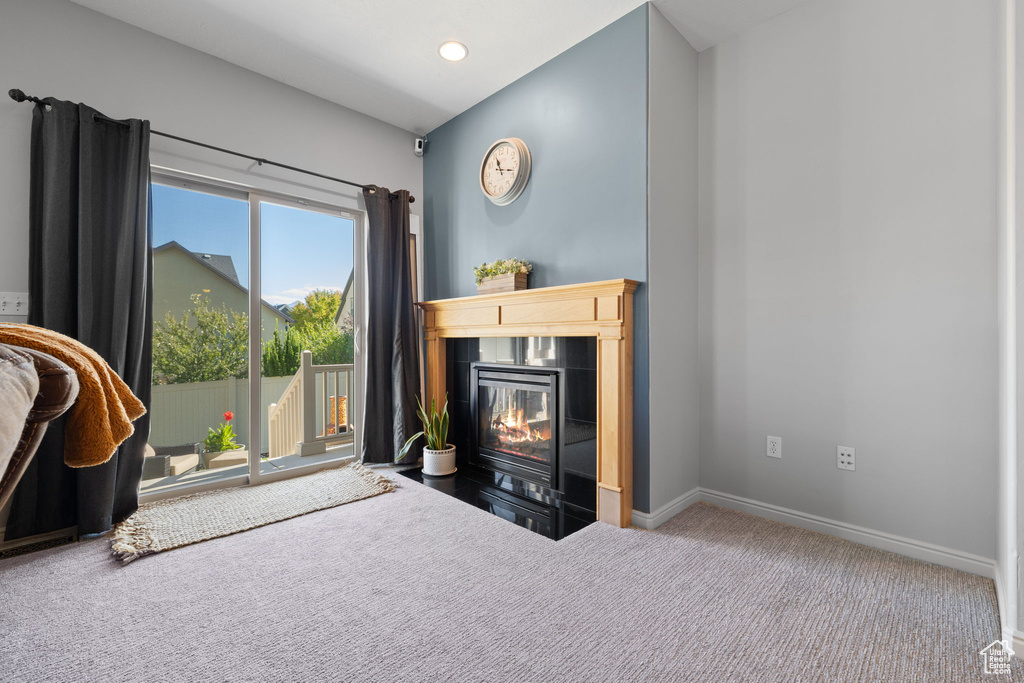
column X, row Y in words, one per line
column 343, row 318
column 287, row 308
column 179, row 273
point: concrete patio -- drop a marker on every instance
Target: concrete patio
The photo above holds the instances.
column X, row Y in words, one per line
column 203, row 478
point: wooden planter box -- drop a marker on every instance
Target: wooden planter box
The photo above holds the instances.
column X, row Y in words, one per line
column 216, row 459
column 509, row 282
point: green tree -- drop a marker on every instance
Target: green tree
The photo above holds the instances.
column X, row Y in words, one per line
column 327, row 342
column 281, row 354
column 320, row 306
column 329, row 345
column 206, row 345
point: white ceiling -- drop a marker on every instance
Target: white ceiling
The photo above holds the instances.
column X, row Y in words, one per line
column 380, row 57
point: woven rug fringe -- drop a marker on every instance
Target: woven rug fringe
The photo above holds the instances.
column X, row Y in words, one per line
column 130, row 542
column 373, row 478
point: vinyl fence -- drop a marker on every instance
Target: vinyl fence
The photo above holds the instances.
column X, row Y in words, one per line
column 182, row 413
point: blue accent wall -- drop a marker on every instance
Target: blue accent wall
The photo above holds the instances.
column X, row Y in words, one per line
column 583, row 215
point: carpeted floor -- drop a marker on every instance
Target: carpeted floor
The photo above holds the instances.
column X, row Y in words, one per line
column 418, row 586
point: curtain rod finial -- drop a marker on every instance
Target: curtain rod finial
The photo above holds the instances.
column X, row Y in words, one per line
column 17, row 95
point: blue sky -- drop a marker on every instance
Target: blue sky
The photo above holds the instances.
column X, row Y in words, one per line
column 302, row 250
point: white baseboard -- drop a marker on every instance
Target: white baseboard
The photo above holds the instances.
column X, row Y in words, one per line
column 1016, row 639
column 919, row 550
column 652, row 520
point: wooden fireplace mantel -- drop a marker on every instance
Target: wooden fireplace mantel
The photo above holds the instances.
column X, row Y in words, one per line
column 594, row 309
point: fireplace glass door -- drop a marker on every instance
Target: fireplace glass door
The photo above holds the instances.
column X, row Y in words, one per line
column 517, row 416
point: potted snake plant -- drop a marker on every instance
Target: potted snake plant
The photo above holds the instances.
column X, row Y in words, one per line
column 438, row 454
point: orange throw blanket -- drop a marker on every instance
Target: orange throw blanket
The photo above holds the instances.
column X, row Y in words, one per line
column 101, row 418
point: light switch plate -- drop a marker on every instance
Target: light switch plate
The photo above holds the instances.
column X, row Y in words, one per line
column 14, row 303
column 846, row 458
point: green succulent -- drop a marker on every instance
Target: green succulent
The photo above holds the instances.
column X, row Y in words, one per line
column 435, row 428
column 501, row 267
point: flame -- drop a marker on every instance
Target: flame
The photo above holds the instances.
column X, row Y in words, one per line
column 513, row 427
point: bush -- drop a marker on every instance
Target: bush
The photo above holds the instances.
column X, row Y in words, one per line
column 281, row 354
column 206, row 345
column 210, row 344
column 328, row 344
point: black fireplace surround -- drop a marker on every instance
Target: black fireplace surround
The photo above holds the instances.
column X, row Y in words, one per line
column 524, row 424
column 554, row 386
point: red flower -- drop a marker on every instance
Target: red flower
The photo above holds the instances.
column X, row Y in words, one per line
column 229, row 416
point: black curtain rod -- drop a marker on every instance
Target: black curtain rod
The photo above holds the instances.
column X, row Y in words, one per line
column 20, row 96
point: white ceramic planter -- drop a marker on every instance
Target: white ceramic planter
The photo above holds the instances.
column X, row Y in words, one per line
column 439, row 463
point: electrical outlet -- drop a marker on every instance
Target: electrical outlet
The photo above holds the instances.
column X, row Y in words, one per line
column 846, row 458
column 13, row 303
column 774, row 447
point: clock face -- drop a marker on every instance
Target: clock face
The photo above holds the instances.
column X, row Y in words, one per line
column 505, row 171
column 500, row 169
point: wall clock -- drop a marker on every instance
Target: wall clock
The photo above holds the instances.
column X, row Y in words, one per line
column 505, row 171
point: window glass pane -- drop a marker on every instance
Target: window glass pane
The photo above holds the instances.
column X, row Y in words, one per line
column 200, row 339
column 307, row 282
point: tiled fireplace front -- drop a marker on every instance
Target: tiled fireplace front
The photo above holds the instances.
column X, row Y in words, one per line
column 528, row 451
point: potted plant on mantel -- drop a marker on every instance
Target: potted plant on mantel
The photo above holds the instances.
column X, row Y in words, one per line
column 503, row 275
column 220, row 449
column 438, row 454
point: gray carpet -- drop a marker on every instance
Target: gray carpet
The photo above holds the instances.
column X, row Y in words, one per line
column 417, row 586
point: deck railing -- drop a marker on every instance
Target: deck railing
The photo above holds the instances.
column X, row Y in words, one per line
column 313, row 412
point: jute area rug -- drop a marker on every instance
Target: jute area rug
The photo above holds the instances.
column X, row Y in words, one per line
column 178, row 522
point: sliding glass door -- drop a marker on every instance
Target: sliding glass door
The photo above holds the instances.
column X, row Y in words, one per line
column 307, row 388
column 256, row 308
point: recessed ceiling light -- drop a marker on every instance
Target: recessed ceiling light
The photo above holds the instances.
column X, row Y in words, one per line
column 453, row 51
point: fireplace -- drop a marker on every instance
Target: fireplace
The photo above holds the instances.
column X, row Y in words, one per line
column 600, row 457
column 517, row 415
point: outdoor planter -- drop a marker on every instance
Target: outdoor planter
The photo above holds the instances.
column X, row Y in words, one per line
column 215, row 459
column 220, row 448
column 170, row 461
column 439, row 463
column 507, row 282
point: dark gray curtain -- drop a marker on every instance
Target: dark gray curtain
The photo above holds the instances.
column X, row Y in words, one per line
column 90, row 277
column 392, row 360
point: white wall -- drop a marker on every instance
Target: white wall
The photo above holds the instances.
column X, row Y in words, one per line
column 848, row 249
column 672, row 260
column 56, row 48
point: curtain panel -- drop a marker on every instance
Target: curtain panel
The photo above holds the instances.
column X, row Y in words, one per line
column 392, row 358
column 90, row 277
